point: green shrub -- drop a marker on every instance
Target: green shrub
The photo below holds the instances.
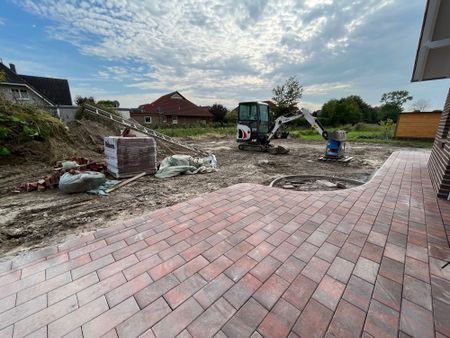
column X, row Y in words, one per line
column 20, row 123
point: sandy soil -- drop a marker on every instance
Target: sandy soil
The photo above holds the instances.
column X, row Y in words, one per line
column 38, row 219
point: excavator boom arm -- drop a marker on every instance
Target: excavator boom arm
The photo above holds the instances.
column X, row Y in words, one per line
column 315, row 123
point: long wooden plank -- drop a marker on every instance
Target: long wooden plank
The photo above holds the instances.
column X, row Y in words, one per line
column 127, row 181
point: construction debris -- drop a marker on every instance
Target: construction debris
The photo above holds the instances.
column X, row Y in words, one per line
column 75, row 182
column 327, row 184
column 123, row 183
column 185, row 164
column 341, row 185
column 314, row 182
column 342, row 160
column 52, row 180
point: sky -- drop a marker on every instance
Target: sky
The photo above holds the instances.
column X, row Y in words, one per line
column 220, row 51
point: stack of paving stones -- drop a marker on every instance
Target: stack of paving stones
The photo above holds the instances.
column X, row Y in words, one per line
column 130, row 156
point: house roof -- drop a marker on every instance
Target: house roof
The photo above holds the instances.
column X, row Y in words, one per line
column 433, row 53
column 11, row 77
column 54, row 90
column 175, row 104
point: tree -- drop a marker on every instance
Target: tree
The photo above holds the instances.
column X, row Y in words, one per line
column 2, row 75
column 393, row 103
column 109, row 103
column 397, row 98
column 420, row 105
column 390, row 111
column 328, row 113
column 287, row 96
column 218, row 112
column 232, row 116
column 368, row 113
column 346, row 110
column 79, row 100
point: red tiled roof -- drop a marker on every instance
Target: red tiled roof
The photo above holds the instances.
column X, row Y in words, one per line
column 175, row 104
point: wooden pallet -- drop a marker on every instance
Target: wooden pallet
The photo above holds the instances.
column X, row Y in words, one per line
column 342, row 160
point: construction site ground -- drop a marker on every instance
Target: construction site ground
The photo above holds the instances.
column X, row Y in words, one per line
column 38, row 219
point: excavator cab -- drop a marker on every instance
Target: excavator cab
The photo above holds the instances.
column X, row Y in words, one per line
column 253, row 125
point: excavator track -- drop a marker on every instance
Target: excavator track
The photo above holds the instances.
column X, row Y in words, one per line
column 273, row 150
column 252, row 147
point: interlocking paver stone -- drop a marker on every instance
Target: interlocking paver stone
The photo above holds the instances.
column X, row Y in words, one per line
column 348, row 321
column 358, row 292
column 328, row 292
column 415, row 320
column 246, row 320
column 279, row 320
column 388, row 292
column 381, row 321
column 252, row 261
column 313, row 321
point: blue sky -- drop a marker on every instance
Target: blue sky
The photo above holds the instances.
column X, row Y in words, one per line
column 218, row 50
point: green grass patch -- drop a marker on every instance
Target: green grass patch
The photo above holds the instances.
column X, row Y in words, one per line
column 362, row 132
column 198, row 131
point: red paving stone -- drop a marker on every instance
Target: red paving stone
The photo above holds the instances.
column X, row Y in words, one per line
column 250, row 261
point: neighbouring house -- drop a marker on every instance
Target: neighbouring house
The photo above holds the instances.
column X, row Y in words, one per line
column 432, row 62
column 38, row 90
column 172, row 108
column 423, row 125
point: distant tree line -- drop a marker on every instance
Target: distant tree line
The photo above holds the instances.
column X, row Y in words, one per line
column 80, row 100
column 353, row 109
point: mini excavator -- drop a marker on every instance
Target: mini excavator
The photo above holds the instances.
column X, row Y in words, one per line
column 255, row 129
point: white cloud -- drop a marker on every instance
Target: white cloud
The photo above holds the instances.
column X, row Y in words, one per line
column 213, row 49
column 326, row 88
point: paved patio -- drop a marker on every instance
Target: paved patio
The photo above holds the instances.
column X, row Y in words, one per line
column 250, row 260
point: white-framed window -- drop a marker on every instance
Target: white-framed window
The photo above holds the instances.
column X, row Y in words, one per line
column 20, row 94
column 174, row 119
column 147, row 119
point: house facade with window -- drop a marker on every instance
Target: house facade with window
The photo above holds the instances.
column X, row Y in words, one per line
column 36, row 90
column 172, row 108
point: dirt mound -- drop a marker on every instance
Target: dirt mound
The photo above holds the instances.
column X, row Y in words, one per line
column 86, row 137
column 83, row 138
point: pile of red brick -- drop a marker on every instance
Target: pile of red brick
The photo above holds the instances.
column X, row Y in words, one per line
column 52, row 180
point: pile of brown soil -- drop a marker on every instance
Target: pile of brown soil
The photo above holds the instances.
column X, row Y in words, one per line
column 82, row 138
